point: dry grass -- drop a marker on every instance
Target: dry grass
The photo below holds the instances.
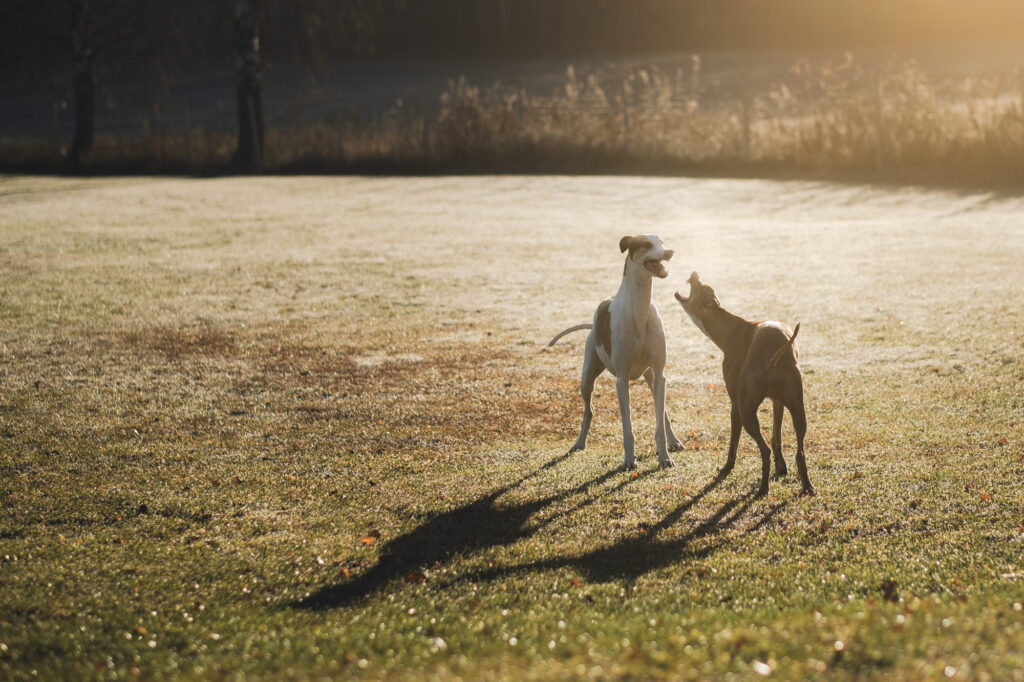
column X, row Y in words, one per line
column 301, row 427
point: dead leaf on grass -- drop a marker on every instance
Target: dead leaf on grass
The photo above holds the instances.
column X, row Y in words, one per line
column 370, row 537
column 415, row 578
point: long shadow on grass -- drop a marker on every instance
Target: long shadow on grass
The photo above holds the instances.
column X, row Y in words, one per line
column 635, row 556
column 476, row 525
column 482, row 523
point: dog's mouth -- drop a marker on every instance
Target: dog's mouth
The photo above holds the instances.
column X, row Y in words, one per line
column 686, row 299
column 656, row 267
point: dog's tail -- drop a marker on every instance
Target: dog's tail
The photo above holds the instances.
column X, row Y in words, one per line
column 782, row 351
column 570, row 330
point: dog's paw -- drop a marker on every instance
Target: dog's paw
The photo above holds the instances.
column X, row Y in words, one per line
column 675, row 446
column 666, row 463
column 629, row 465
column 761, row 491
column 809, row 492
column 578, row 447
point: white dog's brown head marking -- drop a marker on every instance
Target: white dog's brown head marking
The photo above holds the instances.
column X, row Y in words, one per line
column 648, row 251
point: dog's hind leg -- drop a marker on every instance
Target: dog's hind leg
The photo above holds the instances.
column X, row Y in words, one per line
column 749, row 403
column 661, row 420
column 592, row 368
column 796, row 411
column 780, row 463
column 674, row 444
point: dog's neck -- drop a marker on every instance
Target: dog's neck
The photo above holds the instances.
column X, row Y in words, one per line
column 722, row 327
column 636, row 290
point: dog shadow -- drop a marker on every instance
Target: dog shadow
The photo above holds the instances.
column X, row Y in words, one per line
column 635, row 556
column 482, row 523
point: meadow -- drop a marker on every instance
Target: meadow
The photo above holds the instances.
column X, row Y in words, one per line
column 305, row 428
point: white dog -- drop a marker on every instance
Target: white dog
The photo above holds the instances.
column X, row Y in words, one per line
column 628, row 339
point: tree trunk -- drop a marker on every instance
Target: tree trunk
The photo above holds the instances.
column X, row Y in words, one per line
column 249, row 155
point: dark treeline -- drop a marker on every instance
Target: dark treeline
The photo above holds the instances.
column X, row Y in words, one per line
column 37, row 36
column 73, row 45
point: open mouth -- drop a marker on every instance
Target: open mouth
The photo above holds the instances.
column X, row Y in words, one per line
column 686, row 299
column 656, row 267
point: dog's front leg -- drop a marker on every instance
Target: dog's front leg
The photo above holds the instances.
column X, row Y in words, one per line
column 661, row 421
column 622, row 388
column 748, row 403
column 734, row 438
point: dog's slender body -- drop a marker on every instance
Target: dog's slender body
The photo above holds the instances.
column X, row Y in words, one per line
column 627, row 338
column 761, row 361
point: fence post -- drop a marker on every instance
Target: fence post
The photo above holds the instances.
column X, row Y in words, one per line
column 878, row 127
column 54, row 137
column 188, row 138
column 120, row 128
column 625, row 122
column 426, row 137
column 521, row 116
column 1020, row 87
column 158, row 116
column 746, row 127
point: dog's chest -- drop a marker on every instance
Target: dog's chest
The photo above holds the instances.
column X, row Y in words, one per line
column 603, row 326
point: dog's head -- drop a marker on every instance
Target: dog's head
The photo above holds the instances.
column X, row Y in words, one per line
column 647, row 251
column 700, row 302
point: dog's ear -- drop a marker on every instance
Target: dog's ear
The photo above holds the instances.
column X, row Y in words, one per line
column 633, row 244
column 711, row 300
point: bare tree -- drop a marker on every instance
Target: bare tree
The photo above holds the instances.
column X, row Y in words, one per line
column 246, row 21
column 83, row 31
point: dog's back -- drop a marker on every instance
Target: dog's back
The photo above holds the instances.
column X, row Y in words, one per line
column 770, row 346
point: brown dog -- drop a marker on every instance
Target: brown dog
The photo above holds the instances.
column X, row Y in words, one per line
column 760, row 362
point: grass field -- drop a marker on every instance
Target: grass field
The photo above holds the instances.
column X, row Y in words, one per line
column 290, row 428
